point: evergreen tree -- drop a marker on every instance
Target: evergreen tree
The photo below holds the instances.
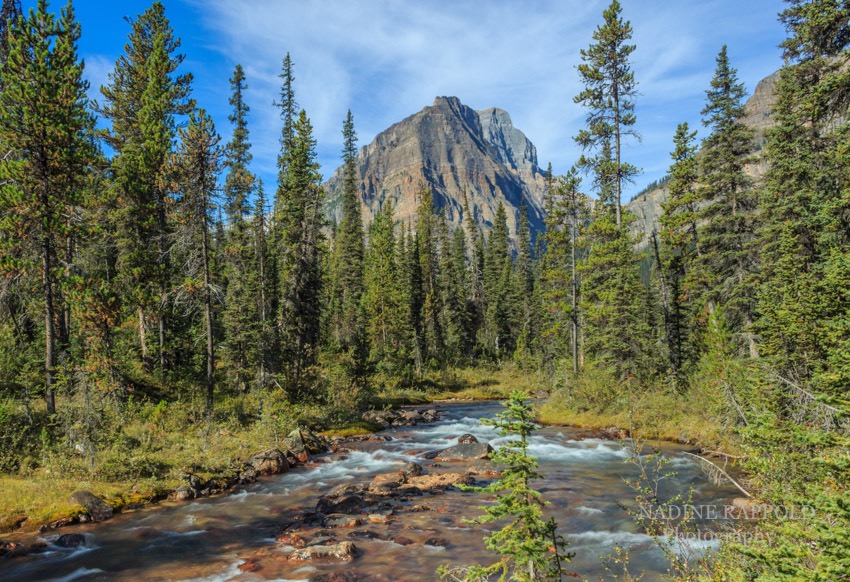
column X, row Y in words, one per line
column 533, row 550
column 199, row 163
column 347, row 290
column 427, row 249
column 299, row 219
column 141, row 102
column 265, row 284
column 385, row 303
column 497, row 288
column 681, row 248
column 44, row 120
column 609, row 93
column 475, row 300
column 567, row 210
column 240, row 317
column 524, row 316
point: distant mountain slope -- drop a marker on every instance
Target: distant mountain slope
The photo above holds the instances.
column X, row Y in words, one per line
column 450, row 148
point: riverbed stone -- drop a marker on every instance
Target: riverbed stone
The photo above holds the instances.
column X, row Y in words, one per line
column 73, row 540
column 411, row 470
column 96, row 508
column 437, row 482
column 269, row 462
column 465, row 452
column 337, row 520
column 344, row 504
column 344, row 551
column 467, row 439
column 485, row 467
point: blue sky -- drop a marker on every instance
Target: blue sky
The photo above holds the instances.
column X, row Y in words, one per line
column 387, row 59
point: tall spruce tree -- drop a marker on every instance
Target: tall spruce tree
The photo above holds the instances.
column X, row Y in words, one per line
column 608, row 95
column 558, row 289
column 347, row 278
column 385, row 303
column 680, row 249
column 199, row 163
column 613, row 297
column 427, row 249
column 498, row 274
column 265, row 285
column 299, row 218
column 44, row 120
column 240, row 317
column 143, row 96
column 727, row 254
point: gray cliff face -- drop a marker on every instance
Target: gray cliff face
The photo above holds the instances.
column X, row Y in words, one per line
column 451, row 149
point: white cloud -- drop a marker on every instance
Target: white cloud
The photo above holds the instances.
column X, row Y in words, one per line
column 386, row 59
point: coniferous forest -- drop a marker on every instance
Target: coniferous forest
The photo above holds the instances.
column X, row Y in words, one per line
column 158, row 300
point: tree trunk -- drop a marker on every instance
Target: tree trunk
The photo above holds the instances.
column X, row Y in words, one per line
column 49, row 331
column 208, row 315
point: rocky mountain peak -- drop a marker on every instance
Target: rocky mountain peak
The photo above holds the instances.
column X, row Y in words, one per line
column 453, row 150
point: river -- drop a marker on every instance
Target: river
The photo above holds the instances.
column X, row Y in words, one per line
column 209, row 539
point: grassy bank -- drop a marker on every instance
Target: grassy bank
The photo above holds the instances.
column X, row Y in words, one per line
column 596, row 402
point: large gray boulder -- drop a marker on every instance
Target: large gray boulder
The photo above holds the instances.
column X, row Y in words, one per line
column 96, row 508
column 270, row 462
column 466, row 452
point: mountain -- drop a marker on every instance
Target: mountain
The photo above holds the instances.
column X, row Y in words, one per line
column 449, row 148
column 647, row 205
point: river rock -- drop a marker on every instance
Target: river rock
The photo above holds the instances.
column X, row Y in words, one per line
column 411, row 470
column 302, row 443
column 96, row 508
column 435, row 482
column 336, row 520
column 343, row 576
column 436, row 542
column 73, row 540
column 467, row 439
column 183, row 493
column 388, row 481
column 345, row 504
column 484, row 467
column 402, row 541
column 269, row 462
column 344, row 551
column 465, row 452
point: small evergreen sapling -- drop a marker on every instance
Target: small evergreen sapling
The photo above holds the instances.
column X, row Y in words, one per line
column 531, row 548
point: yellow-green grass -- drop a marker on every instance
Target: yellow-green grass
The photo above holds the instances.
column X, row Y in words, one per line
column 652, row 415
column 43, row 498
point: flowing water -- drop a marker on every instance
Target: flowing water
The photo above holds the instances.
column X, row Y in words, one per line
column 209, row 539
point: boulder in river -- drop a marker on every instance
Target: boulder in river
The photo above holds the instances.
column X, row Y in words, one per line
column 344, row 504
column 302, row 443
column 344, row 551
column 96, row 508
column 411, row 470
column 73, row 540
column 269, row 462
column 485, row 467
column 438, row 481
column 465, row 452
column 466, row 439
column 336, row 520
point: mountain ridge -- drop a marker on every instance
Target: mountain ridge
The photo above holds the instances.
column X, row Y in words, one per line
column 453, row 150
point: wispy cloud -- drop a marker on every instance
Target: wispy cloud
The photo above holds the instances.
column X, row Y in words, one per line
column 386, row 59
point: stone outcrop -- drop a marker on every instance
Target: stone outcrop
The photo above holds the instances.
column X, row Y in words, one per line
column 451, row 149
